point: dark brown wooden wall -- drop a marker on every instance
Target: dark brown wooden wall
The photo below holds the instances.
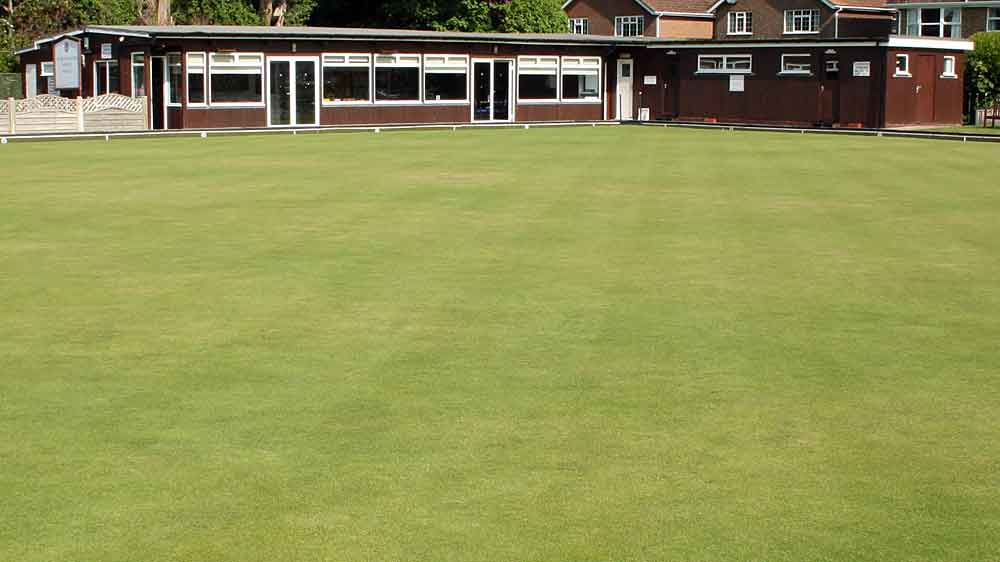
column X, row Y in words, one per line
column 903, row 102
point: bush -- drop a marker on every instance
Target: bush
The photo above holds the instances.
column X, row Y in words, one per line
column 983, row 69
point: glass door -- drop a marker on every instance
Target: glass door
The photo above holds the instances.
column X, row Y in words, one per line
column 292, row 91
column 491, row 90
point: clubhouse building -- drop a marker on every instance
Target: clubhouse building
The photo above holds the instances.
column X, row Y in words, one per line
column 732, row 61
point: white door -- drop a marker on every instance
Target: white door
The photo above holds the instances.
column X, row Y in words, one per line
column 30, row 80
column 492, row 89
column 624, row 106
column 292, row 91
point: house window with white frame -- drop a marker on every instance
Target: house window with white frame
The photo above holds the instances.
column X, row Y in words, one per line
column 48, row 69
column 397, row 78
column 446, row 78
column 902, row 66
column 538, row 78
column 948, row 71
column 725, row 64
column 740, row 23
column 347, row 78
column 196, row 85
column 138, row 61
column 628, row 26
column 106, row 77
column 941, row 22
column 801, row 21
column 912, row 17
column 236, row 79
column 579, row 26
column 581, row 79
column 993, row 19
column 796, row 64
column 175, row 79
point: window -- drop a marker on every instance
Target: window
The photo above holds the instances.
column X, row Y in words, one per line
column 724, row 64
column 832, row 66
column 446, row 78
column 740, row 23
column 581, row 78
column 902, row 65
column 796, row 64
column 106, row 77
column 940, row 22
column 801, row 21
column 236, row 78
column 48, row 69
column 397, row 78
column 347, row 78
column 993, row 19
column 196, row 79
column 949, row 68
column 912, row 16
column 138, row 61
column 538, row 78
column 628, row 26
column 579, row 26
column 175, row 79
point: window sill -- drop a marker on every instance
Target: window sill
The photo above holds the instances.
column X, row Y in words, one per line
column 802, row 74
column 399, row 103
column 802, row 32
column 584, row 101
column 537, row 102
column 227, row 105
column 902, row 75
column 723, row 72
column 447, row 102
column 743, row 33
column 948, row 77
column 197, row 106
column 345, row 103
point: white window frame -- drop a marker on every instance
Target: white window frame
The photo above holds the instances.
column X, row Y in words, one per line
column 166, row 79
column 450, row 64
column 912, row 28
column 992, row 19
column 579, row 26
column 580, row 66
column 399, row 60
column 790, row 58
column 945, row 73
column 190, row 69
column 133, row 65
column 348, row 60
column 242, row 64
column 634, row 23
column 941, row 23
column 51, row 66
column 795, row 16
column 734, row 21
column 106, row 65
column 905, row 72
column 724, row 69
column 545, row 65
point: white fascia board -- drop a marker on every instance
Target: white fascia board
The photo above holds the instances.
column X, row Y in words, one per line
column 867, row 9
column 925, row 43
column 687, row 14
column 91, row 30
column 786, row 44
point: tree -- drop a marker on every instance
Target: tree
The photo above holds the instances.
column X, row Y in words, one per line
column 533, row 16
column 282, row 12
column 983, row 69
column 215, row 12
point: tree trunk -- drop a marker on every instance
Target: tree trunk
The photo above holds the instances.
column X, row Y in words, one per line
column 279, row 13
column 163, row 12
column 266, row 11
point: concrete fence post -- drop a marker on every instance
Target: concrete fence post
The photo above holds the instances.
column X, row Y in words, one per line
column 79, row 114
column 12, row 113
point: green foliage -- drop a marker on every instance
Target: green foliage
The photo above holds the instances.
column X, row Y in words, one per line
column 215, row 12
column 10, row 85
column 299, row 12
column 533, row 16
column 983, row 69
column 470, row 15
column 7, row 46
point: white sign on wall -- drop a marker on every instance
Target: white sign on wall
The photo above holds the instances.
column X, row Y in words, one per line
column 67, row 59
column 649, row 80
column 863, row 68
column 105, row 50
column 737, row 83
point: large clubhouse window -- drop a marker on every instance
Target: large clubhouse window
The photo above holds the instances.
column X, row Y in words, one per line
column 397, row 78
column 796, row 64
column 235, row 78
column 993, row 19
column 801, row 21
column 740, row 23
column 138, row 61
column 196, row 79
column 347, row 78
column 446, row 78
column 628, row 26
column 725, row 64
column 175, row 79
column 940, row 22
column 579, row 26
column 581, row 78
column 538, row 78
column 106, row 77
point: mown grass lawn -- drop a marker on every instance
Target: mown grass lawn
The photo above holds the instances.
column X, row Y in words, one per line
column 545, row 345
